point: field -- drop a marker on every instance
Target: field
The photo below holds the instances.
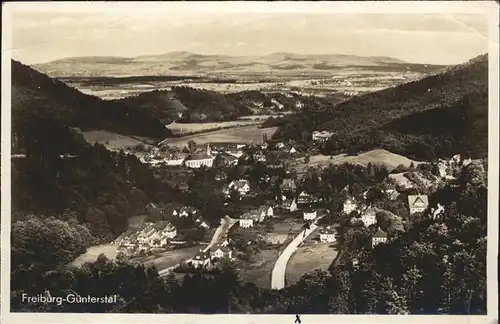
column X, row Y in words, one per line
column 168, row 259
column 112, row 141
column 378, row 156
column 313, row 255
column 109, row 250
column 188, row 128
column 259, row 271
column 247, row 135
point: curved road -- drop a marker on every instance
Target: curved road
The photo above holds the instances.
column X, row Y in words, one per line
column 278, row 274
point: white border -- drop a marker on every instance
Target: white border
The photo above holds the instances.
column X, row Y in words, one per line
column 489, row 8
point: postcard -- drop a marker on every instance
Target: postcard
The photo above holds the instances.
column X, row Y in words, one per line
column 249, row 162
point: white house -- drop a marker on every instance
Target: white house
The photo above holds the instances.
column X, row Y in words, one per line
column 185, row 211
column 197, row 160
column 266, row 211
column 350, row 205
column 442, row 168
column 327, row 235
column 310, row 214
column 246, row 221
column 175, row 159
column 321, row 135
column 289, row 185
column 437, row 212
column 466, row 162
column 242, row 186
column 221, row 252
column 292, row 150
column 417, row 203
column 290, row 205
column 393, row 194
column 201, row 259
column 368, row 216
column 379, row 237
column 202, row 222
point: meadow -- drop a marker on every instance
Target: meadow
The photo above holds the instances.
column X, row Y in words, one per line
column 246, row 135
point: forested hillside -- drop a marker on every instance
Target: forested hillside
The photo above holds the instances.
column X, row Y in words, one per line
column 35, row 97
column 456, row 88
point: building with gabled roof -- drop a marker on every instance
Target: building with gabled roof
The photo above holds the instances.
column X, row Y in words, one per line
column 201, row 259
column 221, row 251
column 418, row 203
column 379, row 237
column 242, row 186
column 350, row 205
column 327, row 235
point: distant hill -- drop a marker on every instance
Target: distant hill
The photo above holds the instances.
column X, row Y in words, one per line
column 374, row 119
column 186, row 63
column 37, row 97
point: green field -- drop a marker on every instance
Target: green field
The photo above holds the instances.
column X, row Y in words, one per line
column 378, row 156
column 246, row 135
column 188, row 128
column 112, row 141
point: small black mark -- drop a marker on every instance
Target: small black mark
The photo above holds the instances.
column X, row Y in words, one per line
column 297, row 319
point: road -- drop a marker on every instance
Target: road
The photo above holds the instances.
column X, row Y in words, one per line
column 225, row 224
column 278, row 274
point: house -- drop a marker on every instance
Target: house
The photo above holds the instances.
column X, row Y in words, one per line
column 242, row 186
column 229, row 159
column 393, row 194
column 185, row 211
column 442, row 168
column 466, row 162
column 175, row 159
column 417, row 203
column 280, row 145
column 164, row 231
column 201, row 259
column 292, row 150
column 221, row 252
column 437, row 212
column 200, row 221
column 456, row 158
column 246, row 221
column 350, row 205
column 146, row 233
column 368, row 216
column 259, row 157
column 289, row 204
column 321, row 136
column 266, row 211
column 327, row 235
column 198, row 160
column 220, row 175
column 379, row 237
column 305, row 198
column 310, row 214
column 288, row 185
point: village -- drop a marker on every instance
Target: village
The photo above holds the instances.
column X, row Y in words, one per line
column 269, row 204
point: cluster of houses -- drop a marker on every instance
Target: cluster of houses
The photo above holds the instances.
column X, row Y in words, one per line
column 256, row 216
column 208, row 258
column 446, row 167
column 149, row 237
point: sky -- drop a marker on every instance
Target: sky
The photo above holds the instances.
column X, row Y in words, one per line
column 39, row 37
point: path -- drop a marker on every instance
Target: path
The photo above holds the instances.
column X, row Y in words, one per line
column 225, row 224
column 278, row 274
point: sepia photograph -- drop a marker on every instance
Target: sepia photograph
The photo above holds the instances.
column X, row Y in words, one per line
column 250, row 158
